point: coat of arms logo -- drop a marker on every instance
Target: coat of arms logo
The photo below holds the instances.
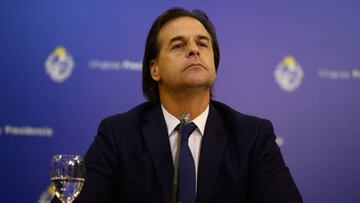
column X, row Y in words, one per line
column 59, row 65
column 288, row 74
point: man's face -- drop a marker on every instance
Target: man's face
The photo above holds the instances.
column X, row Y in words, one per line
column 186, row 59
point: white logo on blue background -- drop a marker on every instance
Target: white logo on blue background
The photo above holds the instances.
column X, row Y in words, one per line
column 59, row 65
column 288, row 74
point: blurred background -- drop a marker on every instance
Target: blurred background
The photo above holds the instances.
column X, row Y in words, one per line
column 65, row 65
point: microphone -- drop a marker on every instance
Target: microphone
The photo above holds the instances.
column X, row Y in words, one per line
column 184, row 119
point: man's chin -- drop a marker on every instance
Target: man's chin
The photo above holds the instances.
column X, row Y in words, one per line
column 199, row 85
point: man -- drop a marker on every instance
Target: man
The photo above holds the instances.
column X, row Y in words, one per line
column 235, row 156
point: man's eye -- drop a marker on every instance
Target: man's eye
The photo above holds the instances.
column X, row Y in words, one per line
column 202, row 44
column 178, row 46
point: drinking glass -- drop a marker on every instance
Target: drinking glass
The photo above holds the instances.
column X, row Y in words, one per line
column 67, row 174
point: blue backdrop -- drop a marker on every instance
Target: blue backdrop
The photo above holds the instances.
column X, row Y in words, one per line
column 64, row 65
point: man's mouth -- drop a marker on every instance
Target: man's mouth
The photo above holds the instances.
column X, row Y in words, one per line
column 195, row 65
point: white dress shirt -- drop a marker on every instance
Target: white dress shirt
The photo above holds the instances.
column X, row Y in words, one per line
column 194, row 139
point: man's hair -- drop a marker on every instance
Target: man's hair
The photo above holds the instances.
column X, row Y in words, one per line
column 152, row 46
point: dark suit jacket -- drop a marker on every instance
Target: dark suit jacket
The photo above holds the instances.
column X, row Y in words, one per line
column 130, row 160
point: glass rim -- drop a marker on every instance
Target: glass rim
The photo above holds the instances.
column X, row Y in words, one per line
column 56, row 156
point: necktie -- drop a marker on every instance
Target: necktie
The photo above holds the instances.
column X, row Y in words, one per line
column 186, row 192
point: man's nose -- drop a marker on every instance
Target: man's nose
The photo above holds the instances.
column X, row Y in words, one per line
column 193, row 49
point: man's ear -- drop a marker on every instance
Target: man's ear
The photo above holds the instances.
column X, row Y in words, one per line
column 154, row 70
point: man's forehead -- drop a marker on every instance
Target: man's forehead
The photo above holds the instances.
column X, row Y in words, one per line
column 183, row 27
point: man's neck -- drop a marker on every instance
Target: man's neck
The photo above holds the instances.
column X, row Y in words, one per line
column 193, row 103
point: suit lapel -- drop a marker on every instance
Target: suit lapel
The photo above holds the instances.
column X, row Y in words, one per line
column 212, row 149
column 157, row 141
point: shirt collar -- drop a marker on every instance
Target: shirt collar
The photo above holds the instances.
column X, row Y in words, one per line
column 171, row 121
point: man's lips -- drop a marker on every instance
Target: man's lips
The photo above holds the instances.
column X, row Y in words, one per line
column 195, row 65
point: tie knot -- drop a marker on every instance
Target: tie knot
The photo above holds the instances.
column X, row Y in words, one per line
column 186, row 131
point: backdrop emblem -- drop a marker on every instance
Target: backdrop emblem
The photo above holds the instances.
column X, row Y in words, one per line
column 288, row 74
column 59, row 65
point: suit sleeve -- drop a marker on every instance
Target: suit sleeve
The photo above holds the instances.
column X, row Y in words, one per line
column 271, row 180
column 101, row 166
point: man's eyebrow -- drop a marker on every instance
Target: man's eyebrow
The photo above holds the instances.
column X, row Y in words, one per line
column 177, row 38
column 203, row 37
column 180, row 38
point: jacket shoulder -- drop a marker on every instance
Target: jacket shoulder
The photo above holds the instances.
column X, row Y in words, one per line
column 135, row 114
column 231, row 115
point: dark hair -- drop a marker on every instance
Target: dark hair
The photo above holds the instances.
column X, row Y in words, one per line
column 150, row 86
